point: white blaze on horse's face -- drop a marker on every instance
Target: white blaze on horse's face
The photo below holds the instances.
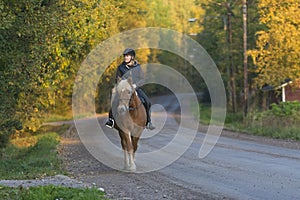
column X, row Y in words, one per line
column 124, row 90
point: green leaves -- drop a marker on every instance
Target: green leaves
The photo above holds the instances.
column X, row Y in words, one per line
column 42, row 44
column 281, row 121
column 286, row 109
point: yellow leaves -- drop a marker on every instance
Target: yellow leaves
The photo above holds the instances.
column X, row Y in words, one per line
column 279, row 12
column 278, row 49
column 24, row 141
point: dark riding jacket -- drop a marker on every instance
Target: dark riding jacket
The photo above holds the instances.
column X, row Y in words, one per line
column 134, row 71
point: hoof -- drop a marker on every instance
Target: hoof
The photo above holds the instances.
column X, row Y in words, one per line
column 129, row 168
column 132, row 169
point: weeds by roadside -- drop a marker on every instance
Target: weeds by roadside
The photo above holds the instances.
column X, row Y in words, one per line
column 50, row 192
column 282, row 121
column 32, row 156
column 35, row 156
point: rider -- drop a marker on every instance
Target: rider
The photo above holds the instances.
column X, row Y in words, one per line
column 130, row 67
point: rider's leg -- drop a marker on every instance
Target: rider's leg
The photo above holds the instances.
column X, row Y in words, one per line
column 147, row 104
column 110, row 122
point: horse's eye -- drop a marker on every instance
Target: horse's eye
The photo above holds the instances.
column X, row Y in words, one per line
column 129, row 92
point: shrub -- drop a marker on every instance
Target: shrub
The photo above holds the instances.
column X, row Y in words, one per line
column 6, row 129
column 281, row 121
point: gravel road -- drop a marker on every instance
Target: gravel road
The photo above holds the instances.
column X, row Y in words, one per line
column 239, row 167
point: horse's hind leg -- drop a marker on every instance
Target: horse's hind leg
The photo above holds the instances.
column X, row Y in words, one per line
column 135, row 141
column 135, row 138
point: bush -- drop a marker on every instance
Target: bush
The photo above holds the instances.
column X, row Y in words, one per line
column 286, row 109
column 281, row 121
column 6, row 129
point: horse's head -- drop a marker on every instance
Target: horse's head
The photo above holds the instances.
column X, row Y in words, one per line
column 124, row 91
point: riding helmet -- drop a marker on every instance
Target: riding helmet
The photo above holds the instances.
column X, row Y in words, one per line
column 129, row 51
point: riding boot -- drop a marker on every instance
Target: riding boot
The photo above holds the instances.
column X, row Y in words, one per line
column 110, row 122
column 149, row 126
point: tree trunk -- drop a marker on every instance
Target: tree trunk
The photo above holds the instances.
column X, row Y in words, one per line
column 245, row 57
column 232, row 69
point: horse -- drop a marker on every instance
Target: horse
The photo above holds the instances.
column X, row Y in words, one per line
column 130, row 119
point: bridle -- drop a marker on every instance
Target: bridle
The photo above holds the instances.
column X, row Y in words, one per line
column 129, row 108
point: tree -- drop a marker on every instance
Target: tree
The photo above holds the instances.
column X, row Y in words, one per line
column 245, row 46
column 175, row 15
column 222, row 37
column 277, row 51
column 42, row 46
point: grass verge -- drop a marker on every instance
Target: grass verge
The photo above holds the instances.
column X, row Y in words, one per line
column 259, row 123
column 50, row 192
column 34, row 156
column 56, row 117
column 232, row 120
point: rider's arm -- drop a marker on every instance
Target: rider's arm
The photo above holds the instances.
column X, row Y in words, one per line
column 118, row 74
column 139, row 76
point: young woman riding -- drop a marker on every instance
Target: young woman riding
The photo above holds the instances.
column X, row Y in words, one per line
column 130, row 67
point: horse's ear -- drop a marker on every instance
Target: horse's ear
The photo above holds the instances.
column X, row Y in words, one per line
column 129, row 79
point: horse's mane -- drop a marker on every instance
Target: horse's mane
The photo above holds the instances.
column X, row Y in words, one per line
column 123, row 84
column 126, row 84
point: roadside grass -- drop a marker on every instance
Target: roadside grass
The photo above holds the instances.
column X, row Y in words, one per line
column 232, row 120
column 257, row 123
column 282, row 121
column 34, row 156
column 50, row 192
column 66, row 117
column 57, row 117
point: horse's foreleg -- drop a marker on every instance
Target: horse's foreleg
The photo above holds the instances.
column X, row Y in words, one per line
column 129, row 154
column 125, row 149
column 132, row 166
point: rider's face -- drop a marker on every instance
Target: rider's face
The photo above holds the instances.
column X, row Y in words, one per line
column 127, row 58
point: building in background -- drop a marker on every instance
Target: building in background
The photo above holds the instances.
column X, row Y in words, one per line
column 287, row 91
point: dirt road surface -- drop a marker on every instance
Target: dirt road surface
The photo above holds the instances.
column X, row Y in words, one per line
column 239, row 167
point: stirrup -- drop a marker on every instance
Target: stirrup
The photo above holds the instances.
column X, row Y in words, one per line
column 110, row 123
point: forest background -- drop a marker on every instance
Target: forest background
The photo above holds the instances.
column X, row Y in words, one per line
column 44, row 42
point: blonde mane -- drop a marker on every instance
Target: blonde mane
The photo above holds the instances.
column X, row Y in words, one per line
column 123, row 85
